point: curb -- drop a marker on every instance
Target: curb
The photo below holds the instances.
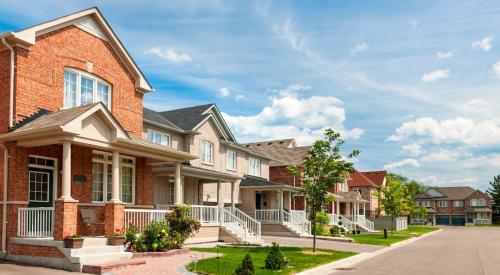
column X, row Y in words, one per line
column 348, row 262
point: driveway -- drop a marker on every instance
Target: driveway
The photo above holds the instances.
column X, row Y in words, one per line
column 453, row 250
column 9, row 268
column 325, row 244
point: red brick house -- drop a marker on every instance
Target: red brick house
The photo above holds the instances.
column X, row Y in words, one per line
column 455, row 206
column 368, row 184
column 71, row 123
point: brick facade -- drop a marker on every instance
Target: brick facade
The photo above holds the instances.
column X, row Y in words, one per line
column 34, row 250
column 282, row 175
column 114, row 216
column 65, row 221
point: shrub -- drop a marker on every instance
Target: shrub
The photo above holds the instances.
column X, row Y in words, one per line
column 274, row 259
column 156, row 236
column 322, row 219
column 182, row 226
column 246, row 267
column 334, row 231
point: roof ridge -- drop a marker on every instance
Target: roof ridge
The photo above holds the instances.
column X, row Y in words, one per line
column 186, row 108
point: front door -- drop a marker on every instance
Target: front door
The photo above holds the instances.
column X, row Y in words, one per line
column 258, row 200
column 41, row 187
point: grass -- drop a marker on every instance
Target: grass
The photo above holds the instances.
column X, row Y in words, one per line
column 378, row 239
column 418, row 229
column 232, row 256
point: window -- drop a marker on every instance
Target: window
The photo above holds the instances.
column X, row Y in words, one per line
column 81, row 88
column 159, row 137
column 458, row 203
column 442, row 203
column 39, row 186
column 171, row 190
column 206, row 152
column 356, row 189
column 478, row 202
column 254, row 168
column 424, row 203
column 102, row 171
column 231, row 160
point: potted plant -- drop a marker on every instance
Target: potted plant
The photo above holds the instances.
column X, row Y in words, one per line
column 75, row 241
column 116, row 238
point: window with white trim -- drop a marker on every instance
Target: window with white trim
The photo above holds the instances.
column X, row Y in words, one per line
column 442, row 203
column 159, row 137
column 206, row 152
column 102, row 170
column 254, row 167
column 231, row 160
column 81, row 88
column 357, row 189
column 424, row 203
column 458, row 203
column 171, row 190
column 478, row 202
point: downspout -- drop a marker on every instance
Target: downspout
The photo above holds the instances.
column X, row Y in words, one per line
column 11, row 88
column 4, row 206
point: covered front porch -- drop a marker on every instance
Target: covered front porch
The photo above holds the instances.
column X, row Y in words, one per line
column 348, row 211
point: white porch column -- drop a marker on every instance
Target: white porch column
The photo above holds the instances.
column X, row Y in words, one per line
column 218, row 194
column 333, row 207
column 66, row 172
column 290, row 201
column 280, row 204
column 348, row 209
column 115, row 177
column 232, row 194
column 338, row 208
column 177, row 185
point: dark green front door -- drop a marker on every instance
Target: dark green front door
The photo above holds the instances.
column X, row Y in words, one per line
column 458, row 220
column 442, row 219
column 41, row 187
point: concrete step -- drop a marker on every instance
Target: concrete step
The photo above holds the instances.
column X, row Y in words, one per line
column 104, row 257
column 109, row 266
column 94, row 241
column 92, row 250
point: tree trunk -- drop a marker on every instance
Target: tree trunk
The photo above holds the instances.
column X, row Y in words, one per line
column 313, row 212
column 392, row 226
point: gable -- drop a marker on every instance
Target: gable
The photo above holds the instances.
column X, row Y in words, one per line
column 215, row 115
column 94, row 127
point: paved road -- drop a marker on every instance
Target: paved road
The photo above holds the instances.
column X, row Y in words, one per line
column 9, row 268
column 306, row 242
column 453, row 250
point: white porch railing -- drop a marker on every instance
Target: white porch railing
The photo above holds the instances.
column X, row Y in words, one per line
column 36, row 222
column 334, row 219
column 346, row 223
column 297, row 222
column 253, row 225
column 205, row 213
column 301, row 213
column 267, row 215
column 482, row 221
column 234, row 224
column 142, row 217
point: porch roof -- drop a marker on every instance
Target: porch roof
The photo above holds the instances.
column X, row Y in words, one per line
column 90, row 125
column 258, row 183
column 477, row 209
column 201, row 173
column 351, row 196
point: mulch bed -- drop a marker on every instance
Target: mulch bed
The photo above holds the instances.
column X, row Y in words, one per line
column 161, row 253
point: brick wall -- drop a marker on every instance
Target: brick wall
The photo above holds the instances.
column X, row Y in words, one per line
column 33, row 250
column 4, row 90
column 40, row 76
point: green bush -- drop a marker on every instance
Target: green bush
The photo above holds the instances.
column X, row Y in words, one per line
column 182, row 225
column 334, row 231
column 322, row 219
column 274, row 259
column 246, row 267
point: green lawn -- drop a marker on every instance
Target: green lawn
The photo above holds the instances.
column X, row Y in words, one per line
column 378, row 239
column 232, row 256
column 418, row 229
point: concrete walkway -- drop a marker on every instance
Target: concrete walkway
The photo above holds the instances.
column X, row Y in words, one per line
column 453, row 250
column 325, row 244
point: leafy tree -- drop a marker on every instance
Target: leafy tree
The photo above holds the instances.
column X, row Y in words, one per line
column 323, row 168
column 395, row 199
column 494, row 192
column 246, row 267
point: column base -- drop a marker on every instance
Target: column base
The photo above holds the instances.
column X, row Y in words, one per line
column 114, row 218
column 65, row 218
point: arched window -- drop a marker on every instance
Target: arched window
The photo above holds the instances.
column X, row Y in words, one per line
column 81, row 88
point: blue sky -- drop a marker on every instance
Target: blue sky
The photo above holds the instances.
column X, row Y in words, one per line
column 412, row 84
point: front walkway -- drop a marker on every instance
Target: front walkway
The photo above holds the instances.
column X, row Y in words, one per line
column 325, row 244
column 453, row 250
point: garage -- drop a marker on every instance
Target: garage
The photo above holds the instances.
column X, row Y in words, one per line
column 442, row 219
column 458, row 219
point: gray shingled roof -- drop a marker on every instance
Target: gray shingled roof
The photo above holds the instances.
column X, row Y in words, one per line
column 258, row 181
column 155, row 117
column 450, row 193
column 187, row 118
column 55, row 118
column 281, row 152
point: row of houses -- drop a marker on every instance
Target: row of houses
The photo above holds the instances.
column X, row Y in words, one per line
column 82, row 154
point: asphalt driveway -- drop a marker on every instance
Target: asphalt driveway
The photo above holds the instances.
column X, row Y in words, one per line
column 453, row 250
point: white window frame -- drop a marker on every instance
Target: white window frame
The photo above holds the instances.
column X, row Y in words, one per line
column 254, row 163
column 203, row 153
column 231, row 157
column 163, row 136
column 107, row 160
column 95, row 80
column 54, row 173
column 475, row 202
column 459, row 202
column 442, row 203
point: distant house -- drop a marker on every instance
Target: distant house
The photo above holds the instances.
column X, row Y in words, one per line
column 455, row 206
column 368, row 184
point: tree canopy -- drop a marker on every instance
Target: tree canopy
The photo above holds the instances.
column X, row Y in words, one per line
column 494, row 192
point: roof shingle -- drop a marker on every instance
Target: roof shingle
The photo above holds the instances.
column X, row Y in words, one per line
column 282, row 152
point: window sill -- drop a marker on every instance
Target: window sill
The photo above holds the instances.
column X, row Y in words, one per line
column 206, row 163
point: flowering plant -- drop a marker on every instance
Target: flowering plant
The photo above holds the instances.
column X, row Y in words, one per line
column 117, row 233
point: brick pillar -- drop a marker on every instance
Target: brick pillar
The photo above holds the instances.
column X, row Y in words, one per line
column 114, row 217
column 66, row 216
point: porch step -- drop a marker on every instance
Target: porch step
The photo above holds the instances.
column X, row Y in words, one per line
column 106, row 267
column 92, row 250
column 104, row 258
column 94, row 242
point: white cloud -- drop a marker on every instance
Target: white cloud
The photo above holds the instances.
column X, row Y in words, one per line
column 412, row 149
column 224, row 92
column 402, row 163
column 484, row 44
column 292, row 116
column 450, row 131
column 444, row 55
column 170, row 55
column 436, row 75
column 482, row 162
column 432, row 180
column 361, row 47
column 443, row 155
column 239, row 97
column 496, row 68
column 286, row 31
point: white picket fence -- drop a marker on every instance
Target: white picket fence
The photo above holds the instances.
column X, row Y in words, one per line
column 36, row 222
column 140, row 218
